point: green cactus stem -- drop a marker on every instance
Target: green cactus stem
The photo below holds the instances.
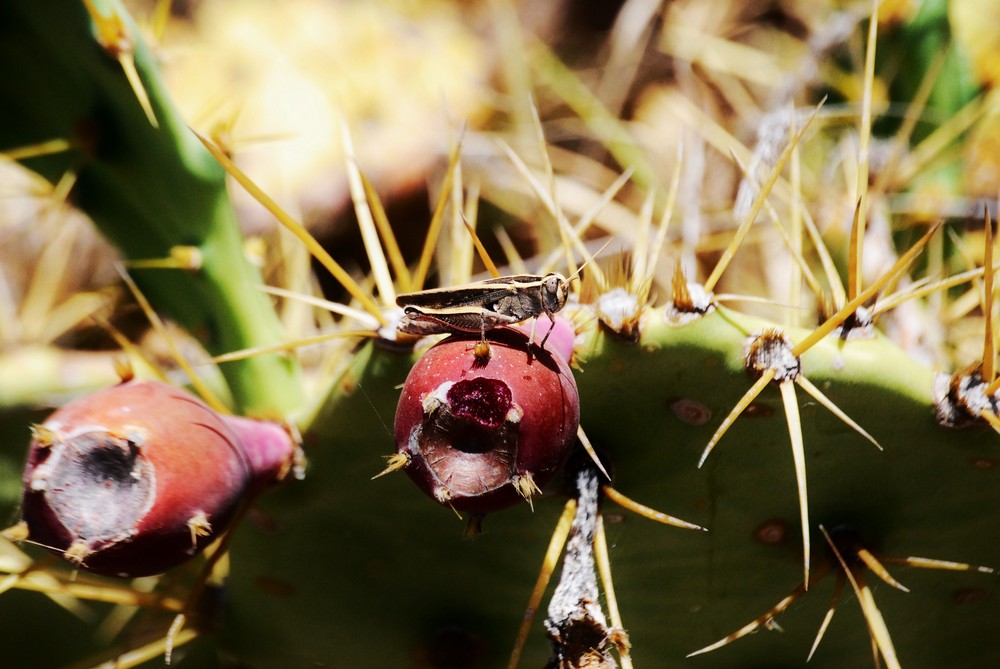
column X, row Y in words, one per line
column 149, row 189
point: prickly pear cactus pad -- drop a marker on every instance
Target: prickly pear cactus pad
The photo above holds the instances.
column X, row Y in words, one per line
column 672, row 345
column 678, row 591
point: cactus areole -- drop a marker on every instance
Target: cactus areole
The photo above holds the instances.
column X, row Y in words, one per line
column 483, row 433
column 135, row 479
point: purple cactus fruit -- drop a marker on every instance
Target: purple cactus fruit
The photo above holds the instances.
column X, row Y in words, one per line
column 135, row 479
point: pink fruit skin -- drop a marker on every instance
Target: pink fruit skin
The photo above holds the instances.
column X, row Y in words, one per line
column 541, row 385
column 135, row 517
column 269, row 448
column 561, row 338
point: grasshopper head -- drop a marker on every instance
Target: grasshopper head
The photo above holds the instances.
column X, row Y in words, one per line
column 555, row 290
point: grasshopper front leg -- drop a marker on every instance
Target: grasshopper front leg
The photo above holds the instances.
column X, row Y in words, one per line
column 552, row 326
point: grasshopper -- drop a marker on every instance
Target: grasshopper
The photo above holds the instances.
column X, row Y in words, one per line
column 484, row 305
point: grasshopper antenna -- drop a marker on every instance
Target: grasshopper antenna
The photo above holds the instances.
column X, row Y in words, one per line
column 576, row 274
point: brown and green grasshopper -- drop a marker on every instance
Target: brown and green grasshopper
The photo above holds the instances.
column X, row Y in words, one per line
column 484, row 305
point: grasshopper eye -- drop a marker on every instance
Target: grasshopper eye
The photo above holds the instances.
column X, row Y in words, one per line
column 554, row 290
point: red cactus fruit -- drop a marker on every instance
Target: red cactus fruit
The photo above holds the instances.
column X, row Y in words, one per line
column 483, row 433
column 134, row 479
